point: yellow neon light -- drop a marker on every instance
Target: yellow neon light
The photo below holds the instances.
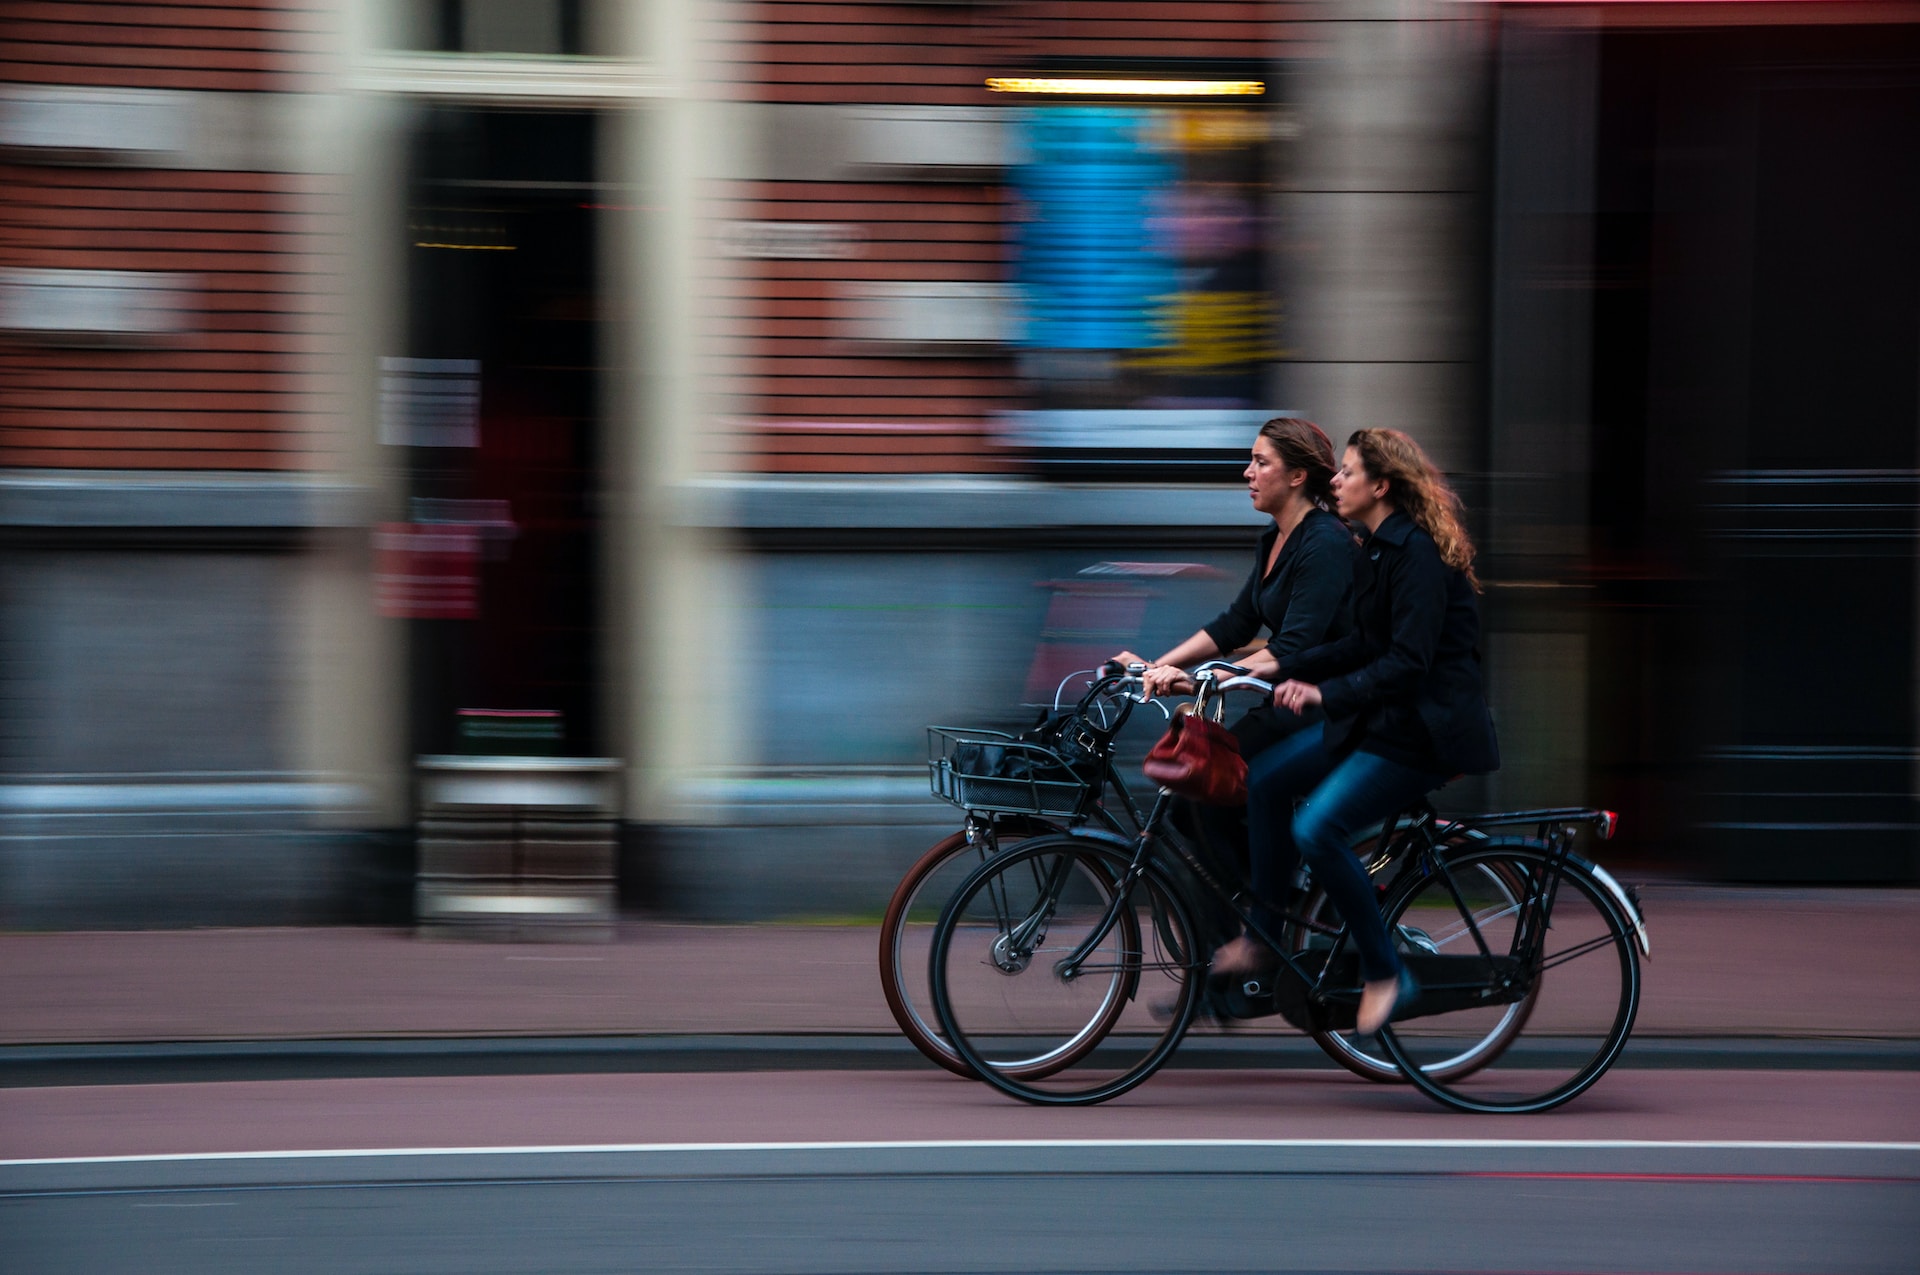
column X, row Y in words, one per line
column 1127, row 88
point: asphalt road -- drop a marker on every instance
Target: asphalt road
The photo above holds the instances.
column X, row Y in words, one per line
column 1218, row 1207
column 1652, row 1171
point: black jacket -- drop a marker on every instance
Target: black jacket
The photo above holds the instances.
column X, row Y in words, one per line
column 1302, row 602
column 1405, row 682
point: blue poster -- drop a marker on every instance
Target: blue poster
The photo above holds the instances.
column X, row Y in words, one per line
column 1141, row 256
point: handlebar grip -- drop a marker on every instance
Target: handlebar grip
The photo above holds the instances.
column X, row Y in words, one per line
column 1221, row 666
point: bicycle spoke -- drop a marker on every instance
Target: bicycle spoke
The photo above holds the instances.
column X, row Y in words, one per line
column 1143, row 965
column 1481, row 921
column 1596, row 944
column 1468, row 923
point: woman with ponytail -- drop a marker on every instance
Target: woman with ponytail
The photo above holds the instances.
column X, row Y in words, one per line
column 1400, row 699
column 1301, row 580
column 1298, row 591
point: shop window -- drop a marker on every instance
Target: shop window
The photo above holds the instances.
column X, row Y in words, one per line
column 533, row 27
column 1142, row 232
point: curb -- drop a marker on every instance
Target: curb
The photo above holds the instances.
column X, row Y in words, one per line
column 186, row 1062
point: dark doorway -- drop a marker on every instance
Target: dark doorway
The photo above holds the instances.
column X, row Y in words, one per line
column 1756, row 446
column 499, row 416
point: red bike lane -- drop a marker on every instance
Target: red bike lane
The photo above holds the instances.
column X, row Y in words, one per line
column 1634, row 1105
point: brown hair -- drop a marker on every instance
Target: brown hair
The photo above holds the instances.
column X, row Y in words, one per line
column 1304, row 446
column 1418, row 487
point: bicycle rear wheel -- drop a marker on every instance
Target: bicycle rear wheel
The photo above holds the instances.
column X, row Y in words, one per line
column 1560, row 951
column 1003, row 989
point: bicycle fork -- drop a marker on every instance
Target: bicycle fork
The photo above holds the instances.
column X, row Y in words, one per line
column 1013, row 950
column 1068, row 968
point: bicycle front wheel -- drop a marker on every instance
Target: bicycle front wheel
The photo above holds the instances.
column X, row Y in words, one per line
column 1050, row 955
column 1509, row 926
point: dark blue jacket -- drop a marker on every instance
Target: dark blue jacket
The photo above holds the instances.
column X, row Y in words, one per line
column 1405, row 681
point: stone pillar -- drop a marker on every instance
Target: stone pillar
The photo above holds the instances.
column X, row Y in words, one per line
column 1539, row 428
column 1383, row 251
column 1380, row 225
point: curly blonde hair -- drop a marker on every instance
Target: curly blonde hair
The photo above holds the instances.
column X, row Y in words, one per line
column 1417, row 486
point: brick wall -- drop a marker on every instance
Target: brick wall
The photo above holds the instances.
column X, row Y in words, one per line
column 233, row 45
column 817, row 401
column 939, row 54
column 823, row 402
column 222, row 390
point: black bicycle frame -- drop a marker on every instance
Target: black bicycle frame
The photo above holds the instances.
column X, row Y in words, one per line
column 1398, row 833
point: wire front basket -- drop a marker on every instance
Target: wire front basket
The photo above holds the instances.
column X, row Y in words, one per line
column 992, row 771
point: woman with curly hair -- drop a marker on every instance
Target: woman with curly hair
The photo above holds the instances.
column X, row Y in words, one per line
column 1401, row 699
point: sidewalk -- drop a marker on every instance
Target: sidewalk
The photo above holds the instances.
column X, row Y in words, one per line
column 1727, row 962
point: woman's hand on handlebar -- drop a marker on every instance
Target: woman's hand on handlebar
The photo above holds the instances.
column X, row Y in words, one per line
column 1165, row 679
column 1156, row 679
column 1295, row 697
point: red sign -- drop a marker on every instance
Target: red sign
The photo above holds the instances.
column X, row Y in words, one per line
column 426, row 571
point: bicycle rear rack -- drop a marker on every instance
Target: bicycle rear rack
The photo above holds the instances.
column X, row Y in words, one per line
column 1604, row 821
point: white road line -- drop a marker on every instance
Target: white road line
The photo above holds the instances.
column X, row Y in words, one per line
column 1568, row 1144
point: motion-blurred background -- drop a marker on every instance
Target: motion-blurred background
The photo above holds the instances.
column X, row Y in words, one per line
column 501, row 458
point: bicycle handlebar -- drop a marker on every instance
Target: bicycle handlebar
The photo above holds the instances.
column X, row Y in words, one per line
column 1207, row 678
column 1211, row 666
column 1112, row 678
column 1245, row 682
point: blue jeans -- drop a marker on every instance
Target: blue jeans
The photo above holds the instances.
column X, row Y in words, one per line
column 1343, row 795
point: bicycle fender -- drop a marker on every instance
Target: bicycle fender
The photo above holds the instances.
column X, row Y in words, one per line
column 1629, row 908
column 1102, row 838
column 1622, row 897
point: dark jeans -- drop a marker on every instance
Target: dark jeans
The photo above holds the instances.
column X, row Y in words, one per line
column 1222, row 830
column 1342, row 795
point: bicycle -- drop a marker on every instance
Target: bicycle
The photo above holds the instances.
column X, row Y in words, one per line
column 995, row 806
column 1039, row 942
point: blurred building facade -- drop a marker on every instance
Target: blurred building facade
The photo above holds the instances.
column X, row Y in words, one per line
column 174, row 485
column 728, row 390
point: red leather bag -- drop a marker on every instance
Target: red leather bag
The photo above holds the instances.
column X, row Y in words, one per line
column 1199, row 760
